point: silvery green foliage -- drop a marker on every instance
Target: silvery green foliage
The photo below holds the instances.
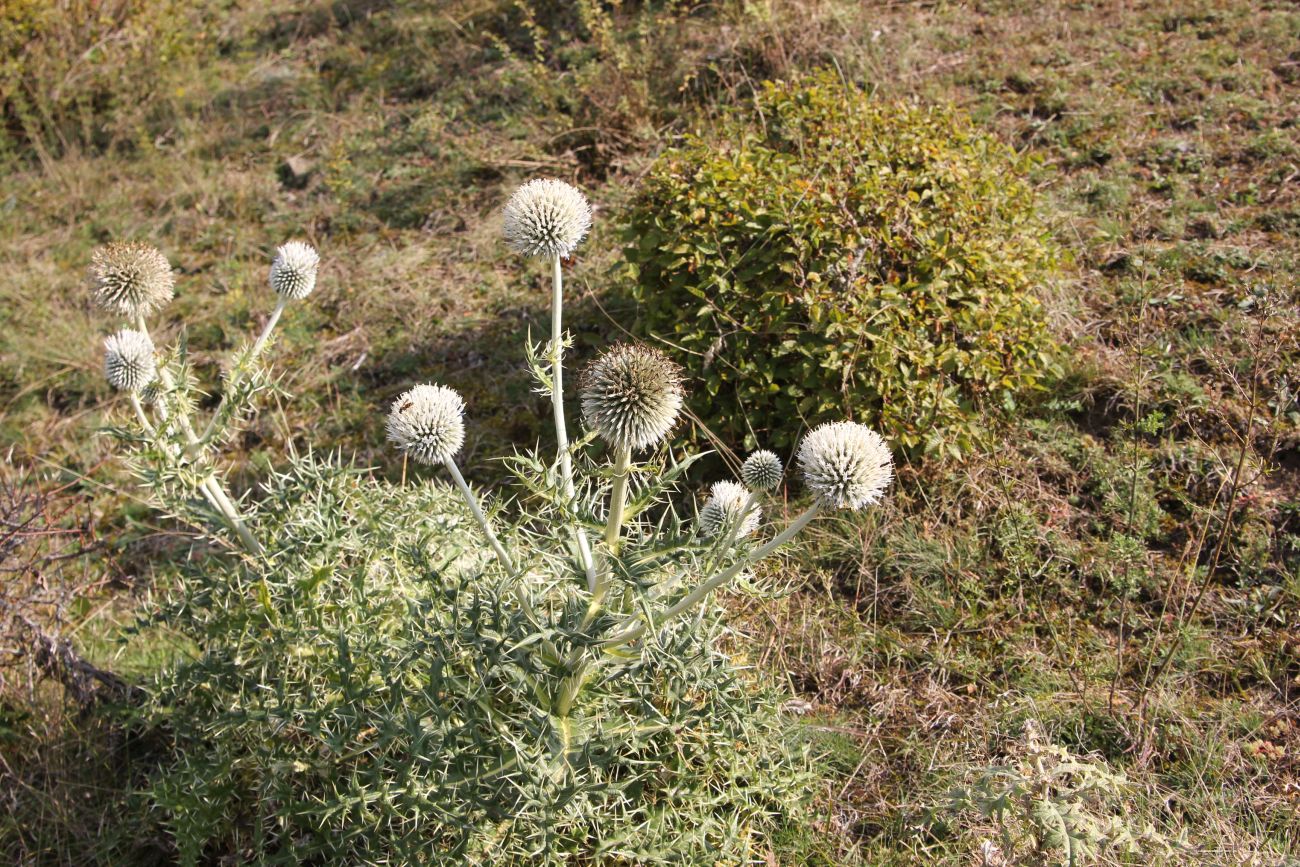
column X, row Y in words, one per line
column 377, row 696
column 725, row 508
column 546, row 217
column 845, row 464
column 413, row 673
column 293, row 271
column 761, row 471
column 1059, row 806
column 129, row 361
column 632, row 396
column 428, row 423
column 130, row 279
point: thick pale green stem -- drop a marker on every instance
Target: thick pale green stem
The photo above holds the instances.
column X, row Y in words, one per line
column 733, row 530
column 231, row 513
column 557, row 406
column 139, row 414
column 617, row 502
column 697, row 595
column 477, row 510
column 571, row 687
column 521, row 592
column 260, row 343
column 617, row 499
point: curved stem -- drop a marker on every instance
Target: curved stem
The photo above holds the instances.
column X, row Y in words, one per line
column 139, row 414
column 260, row 343
column 472, row 502
column 617, row 502
column 699, row 593
column 521, row 592
column 557, row 407
column 721, row 550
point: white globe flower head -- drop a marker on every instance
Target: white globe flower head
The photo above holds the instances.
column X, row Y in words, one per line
column 846, row 465
column 428, row 423
column 761, row 471
column 293, row 272
column 129, row 363
column 632, row 396
column 130, row 279
column 723, row 510
column 546, row 217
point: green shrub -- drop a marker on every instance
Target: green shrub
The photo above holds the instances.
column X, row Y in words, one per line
column 829, row 253
column 87, row 73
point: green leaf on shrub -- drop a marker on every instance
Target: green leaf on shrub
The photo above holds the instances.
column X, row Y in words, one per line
column 880, row 257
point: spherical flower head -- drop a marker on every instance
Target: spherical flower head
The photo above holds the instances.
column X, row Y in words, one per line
column 723, row 510
column 846, row 465
column 428, row 423
column 130, row 279
column 632, row 396
column 293, row 273
column 546, row 217
column 762, row 471
column 129, row 361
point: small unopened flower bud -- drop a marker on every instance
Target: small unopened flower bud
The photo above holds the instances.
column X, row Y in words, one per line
column 761, row 471
column 632, row 396
column 723, row 509
column 131, row 279
column 428, row 423
column 129, row 363
column 846, row 465
column 546, row 217
column 293, row 273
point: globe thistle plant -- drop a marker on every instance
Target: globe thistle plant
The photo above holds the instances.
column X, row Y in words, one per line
column 761, row 471
column 525, row 673
column 846, row 465
column 428, row 423
column 134, row 280
column 632, row 396
column 546, row 217
column 131, row 280
column 129, row 363
column 293, row 272
column 730, row 508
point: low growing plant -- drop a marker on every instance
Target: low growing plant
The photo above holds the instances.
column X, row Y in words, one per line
column 1061, row 808
column 416, row 673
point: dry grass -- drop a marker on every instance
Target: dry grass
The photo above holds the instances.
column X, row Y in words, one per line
column 992, row 591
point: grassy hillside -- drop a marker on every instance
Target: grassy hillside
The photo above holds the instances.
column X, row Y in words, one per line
column 1121, row 563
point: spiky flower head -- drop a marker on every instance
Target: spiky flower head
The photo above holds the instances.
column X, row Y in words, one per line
column 129, row 360
column 632, row 395
column 761, row 471
column 428, row 423
column 130, row 279
column 723, row 509
column 846, row 465
column 293, row 273
column 546, row 217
